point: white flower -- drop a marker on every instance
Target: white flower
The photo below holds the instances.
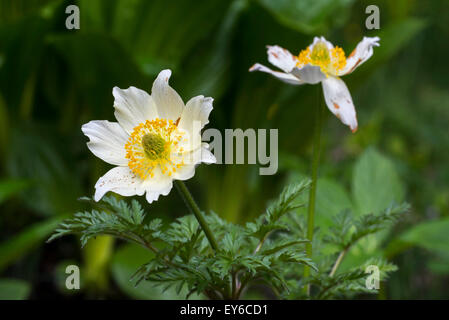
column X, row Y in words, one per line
column 157, row 139
column 322, row 62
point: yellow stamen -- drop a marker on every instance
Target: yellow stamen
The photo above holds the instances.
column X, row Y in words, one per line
column 329, row 61
column 338, row 58
column 154, row 144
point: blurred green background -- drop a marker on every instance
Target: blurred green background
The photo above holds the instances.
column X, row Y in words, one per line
column 52, row 80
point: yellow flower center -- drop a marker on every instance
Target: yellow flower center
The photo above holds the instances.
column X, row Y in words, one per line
column 154, row 144
column 329, row 61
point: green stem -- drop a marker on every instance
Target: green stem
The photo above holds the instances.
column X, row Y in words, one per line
column 191, row 204
column 312, row 193
column 337, row 262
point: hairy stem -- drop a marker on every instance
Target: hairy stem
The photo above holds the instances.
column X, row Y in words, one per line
column 312, row 193
column 193, row 207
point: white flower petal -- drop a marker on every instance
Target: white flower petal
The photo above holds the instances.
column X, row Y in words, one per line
column 361, row 53
column 189, row 141
column 196, row 114
column 339, row 101
column 185, row 172
column 193, row 158
column 120, row 180
column 206, row 155
column 309, row 74
column 320, row 39
column 153, row 194
column 323, row 39
column 281, row 58
column 133, row 106
column 159, row 184
column 107, row 141
column 168, row 102
column 286, row 77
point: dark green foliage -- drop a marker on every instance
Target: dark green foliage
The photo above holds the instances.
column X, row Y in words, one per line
column 183, row 256
column 267, row 251
column 53, row 80
column 345, row 232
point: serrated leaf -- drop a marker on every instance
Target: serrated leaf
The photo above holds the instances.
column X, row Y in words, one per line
column 375, row 183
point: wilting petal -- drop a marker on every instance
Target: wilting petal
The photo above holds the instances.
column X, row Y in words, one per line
column 133, row 106
column 339, row 101
column 107, row 141
column 281, row 58
column 286, row 77
column 196, row 114
column 120, row 180
column 309, row 74
column 361, row 53
column 168, row 102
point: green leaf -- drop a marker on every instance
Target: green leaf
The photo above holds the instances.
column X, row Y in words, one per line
column 288, row 200
column 10, row 187
column 125, row 263
column 331, row 199
column 14, row 289
column 17, row 40
column 14, row 248
column 92, row 62
column 282, row 245
column 431, row 235
column 173, row 33
column 33, row 155
column 307, row 16
column 375, row 183
column 396, row 36
column 117, row 218
column 210, row 69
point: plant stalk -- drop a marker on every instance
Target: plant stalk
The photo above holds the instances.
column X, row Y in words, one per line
column 337, row 262
column 312, row 193
column 193, row 207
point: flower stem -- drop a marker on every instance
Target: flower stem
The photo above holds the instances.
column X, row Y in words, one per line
column 193, row 207
column 312, row 193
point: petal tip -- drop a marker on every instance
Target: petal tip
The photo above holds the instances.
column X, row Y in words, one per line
column 254, row 67
column 115, row 90
column 97, row 197
column 165, row 75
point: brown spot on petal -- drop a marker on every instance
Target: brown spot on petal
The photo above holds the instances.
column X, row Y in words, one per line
column 337, row 114
column 354, row 130
column 356, row 64
column 275, row 54
column 352, row 53
column 336, row 106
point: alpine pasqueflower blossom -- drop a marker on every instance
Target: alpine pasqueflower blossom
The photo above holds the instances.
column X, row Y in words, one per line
column 157, row 139
column 322, row 62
